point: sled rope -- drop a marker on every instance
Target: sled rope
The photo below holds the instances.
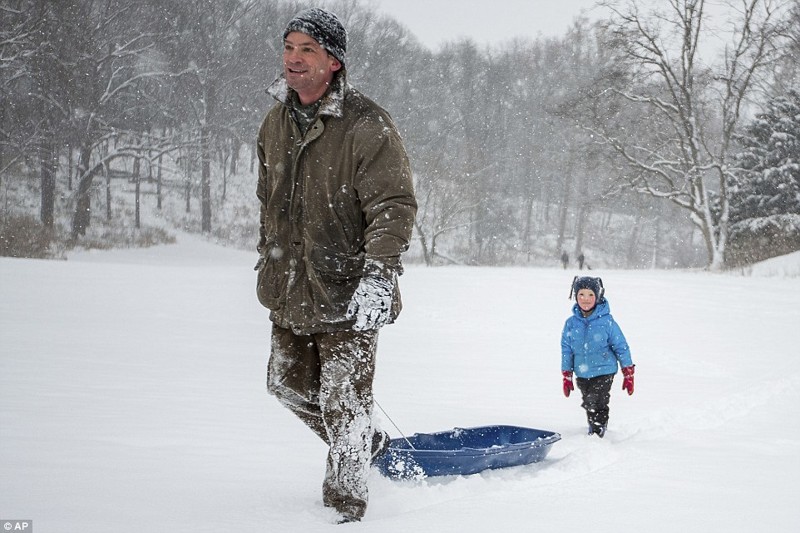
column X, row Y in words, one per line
column 392, row 421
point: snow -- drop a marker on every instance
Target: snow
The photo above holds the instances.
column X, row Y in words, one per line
column 132, row 399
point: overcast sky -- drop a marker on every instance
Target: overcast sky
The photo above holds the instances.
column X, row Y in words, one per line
column 485, row 21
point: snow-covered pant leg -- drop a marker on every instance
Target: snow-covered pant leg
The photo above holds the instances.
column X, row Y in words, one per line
column 596, row 393
column 348, row 369
column 293, row 377
column 326, row 379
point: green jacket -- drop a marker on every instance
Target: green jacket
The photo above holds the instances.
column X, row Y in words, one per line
column 335, row 205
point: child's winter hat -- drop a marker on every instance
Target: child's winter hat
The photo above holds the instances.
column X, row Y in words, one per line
column 324, row 27
column 586, row 282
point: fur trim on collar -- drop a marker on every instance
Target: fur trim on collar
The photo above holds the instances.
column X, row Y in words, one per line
column 332, row 102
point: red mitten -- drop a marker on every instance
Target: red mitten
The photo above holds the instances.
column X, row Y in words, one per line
column 627, row 382
column 568, row 386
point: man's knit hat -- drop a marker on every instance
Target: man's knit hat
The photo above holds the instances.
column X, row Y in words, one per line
column 324, row 27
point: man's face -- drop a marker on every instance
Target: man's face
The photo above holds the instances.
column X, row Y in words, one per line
column 307, row 66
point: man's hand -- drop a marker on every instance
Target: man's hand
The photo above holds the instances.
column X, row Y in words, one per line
column 371, row 304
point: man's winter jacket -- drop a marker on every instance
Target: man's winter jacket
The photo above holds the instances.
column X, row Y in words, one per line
column 591, row 346
column 336, row 204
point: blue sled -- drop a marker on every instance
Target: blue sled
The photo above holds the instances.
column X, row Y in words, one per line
column 464, row 451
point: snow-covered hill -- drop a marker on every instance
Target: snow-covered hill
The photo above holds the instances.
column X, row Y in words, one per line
column 132, row 399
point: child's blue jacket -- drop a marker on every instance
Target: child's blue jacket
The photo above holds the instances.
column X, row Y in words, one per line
column 592, row 346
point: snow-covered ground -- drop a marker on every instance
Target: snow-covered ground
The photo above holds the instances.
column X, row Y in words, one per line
column 132, row 399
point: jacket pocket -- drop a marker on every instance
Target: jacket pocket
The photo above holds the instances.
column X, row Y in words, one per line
column 347, row 209
column 272, row 277
column 334, row 278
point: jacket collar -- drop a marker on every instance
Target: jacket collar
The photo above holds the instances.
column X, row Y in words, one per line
column 600, row 310
column 332, row 102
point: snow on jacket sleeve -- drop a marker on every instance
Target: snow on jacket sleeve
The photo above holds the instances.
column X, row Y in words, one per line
column 386, row 190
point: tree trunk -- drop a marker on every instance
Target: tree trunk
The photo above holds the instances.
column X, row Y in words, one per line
column 630, row 258
column 563, row 212
column 223, row 163
column 70, row 166
column 137, row 170
column 106, row 168
column 205, row 180
column 528, row 214
column 107, row 175
column 656, row 244
column 49, row 156
column 236, row 146
column 158, row 182
column 583, row 214
column 83, row 208
column 423, row 239
column 584, row 211
column 188, row 162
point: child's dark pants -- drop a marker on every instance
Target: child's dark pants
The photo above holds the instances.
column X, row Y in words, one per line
column 596, row 396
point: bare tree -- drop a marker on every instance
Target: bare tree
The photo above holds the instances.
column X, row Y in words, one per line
column 17, row 39
column 32, row 95
column 786, row 70
column 688, row 111
column 205, row 53
column 108, row 60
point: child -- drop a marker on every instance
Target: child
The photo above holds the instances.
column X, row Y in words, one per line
column 592, row 344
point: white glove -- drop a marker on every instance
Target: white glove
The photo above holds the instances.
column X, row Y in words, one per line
column 371, row 304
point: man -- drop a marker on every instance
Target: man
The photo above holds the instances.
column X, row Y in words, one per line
column 337, row 210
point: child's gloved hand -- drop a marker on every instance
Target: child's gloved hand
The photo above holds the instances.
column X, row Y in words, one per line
column 627, row 381
column 568, row 386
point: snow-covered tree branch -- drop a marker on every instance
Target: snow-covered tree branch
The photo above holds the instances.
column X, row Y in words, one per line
column 692, row 106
